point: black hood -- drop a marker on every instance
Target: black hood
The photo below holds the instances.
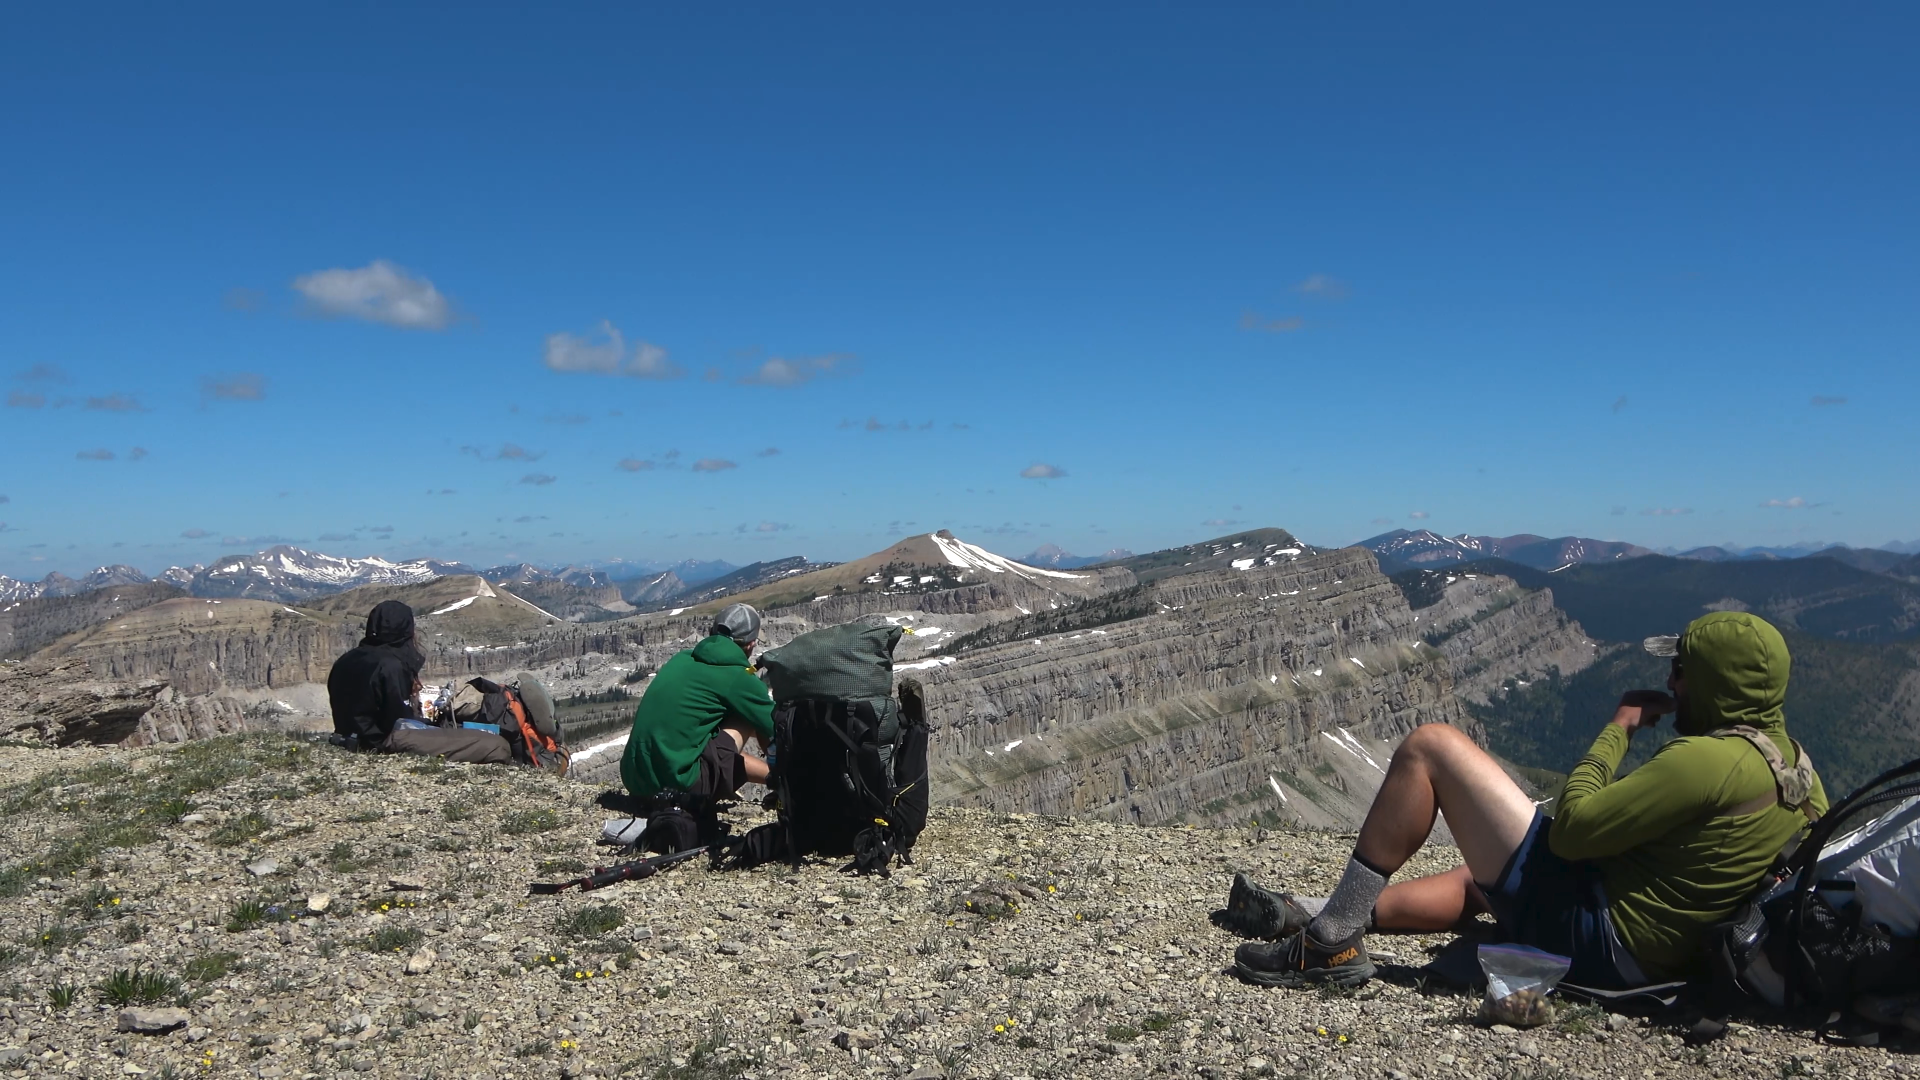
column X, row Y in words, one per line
column 389, row 623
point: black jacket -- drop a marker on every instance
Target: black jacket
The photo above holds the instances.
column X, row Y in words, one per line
column 371, row 685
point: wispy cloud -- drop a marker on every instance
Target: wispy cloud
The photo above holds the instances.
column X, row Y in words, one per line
column 1822, row 401
column 608, row 355
column 507, row 452
column 778, row 371
column 1040, row 470
column 1219, row 523
column 1381, row 521
column 4, row 499
column 1324, row 286
column 336, row 538
column 538, row 479
column 633, row 464
column 116, row 403
column 377, row 292
column 713, row 465
column 1252, row 320
column 765, row 527
column 21, row 399
column 1795, row 503
column 244, row 386
column 1666, row 511
column 566, row 419
column 43, row 373
column 771, row 451
column 199, row 534
column 136, row 453
column 1619, row 403
column 1419, row 515
column 102, row 454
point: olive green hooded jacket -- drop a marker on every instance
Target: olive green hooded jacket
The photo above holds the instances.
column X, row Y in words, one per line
column 1672, row 857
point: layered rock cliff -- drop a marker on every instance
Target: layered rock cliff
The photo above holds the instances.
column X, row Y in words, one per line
column 1491, row 629
column 1209, row 709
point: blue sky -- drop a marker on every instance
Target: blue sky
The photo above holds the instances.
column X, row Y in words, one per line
column 352, row 277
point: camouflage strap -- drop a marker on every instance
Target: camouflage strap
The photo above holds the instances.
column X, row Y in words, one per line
column 1793, row 784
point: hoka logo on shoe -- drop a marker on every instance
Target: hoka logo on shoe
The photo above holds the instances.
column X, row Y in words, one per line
column 1343, row 956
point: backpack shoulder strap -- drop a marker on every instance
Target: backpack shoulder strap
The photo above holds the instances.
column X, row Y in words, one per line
column 1793, row 784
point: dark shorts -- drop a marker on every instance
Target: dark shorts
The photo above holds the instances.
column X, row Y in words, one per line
column 1550, row 903
column 721, row 770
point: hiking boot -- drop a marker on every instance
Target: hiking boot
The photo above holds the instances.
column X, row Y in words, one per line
column 1301, row 961
column 1254, row 912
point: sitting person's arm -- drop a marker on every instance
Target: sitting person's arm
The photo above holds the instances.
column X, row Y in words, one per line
column 749, row 702
column 1597, row 816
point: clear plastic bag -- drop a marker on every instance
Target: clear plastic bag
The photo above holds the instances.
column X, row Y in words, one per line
column 1519, row 978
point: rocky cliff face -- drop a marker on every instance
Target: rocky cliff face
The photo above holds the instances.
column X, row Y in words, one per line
column 1209, row 709
column 1491, row 629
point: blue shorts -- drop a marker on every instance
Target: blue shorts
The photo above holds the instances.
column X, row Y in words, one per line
column 1550, row 903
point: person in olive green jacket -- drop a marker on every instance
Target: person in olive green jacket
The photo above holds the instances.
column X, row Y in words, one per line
column 693, row 723
column 1627, row 875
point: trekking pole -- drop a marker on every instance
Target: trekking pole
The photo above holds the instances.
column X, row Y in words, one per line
column 603, row 876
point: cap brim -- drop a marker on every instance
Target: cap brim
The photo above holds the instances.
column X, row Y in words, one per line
column 1662, row 645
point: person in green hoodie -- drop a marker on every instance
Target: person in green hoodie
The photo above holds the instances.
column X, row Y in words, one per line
column 1628, row 874
column 692, row 725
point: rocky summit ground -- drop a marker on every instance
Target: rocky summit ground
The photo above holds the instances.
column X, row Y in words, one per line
column 269, row 906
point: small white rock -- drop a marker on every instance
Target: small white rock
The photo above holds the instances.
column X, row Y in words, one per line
column 421, row 962
column 319, row 902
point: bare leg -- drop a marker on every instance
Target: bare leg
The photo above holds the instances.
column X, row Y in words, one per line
column 754, row 767
column 1438, row 769
column 1432, row 904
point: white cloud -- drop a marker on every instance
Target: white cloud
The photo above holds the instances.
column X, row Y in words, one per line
column 608, row 355
column 1042, row 471
column 246, row 386
column 633, row 464
column 1219, row 523
column 538, row 479
column 377, row 292
column 781, row 372
column 102, row 454
column 1324, row 286
column 1419, row 515
column 1795, row 503
column 1666, row 511
column 196, row 534
column 713, row 465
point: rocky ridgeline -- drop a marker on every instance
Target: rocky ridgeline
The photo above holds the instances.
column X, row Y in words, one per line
column 1221, row 705
column 1492, row 630
column 267, row 907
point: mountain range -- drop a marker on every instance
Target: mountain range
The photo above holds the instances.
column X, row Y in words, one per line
column 1054, row 557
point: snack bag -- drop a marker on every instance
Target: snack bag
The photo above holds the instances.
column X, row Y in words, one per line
column 1519, row 978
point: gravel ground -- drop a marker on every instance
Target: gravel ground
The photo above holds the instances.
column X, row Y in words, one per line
column 312, row 913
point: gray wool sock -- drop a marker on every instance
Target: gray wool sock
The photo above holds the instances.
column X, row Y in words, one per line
column 1351, row 905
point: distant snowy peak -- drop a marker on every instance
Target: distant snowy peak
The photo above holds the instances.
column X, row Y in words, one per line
column 58, row 584
column 288, row 574
column 1054, row 557
column 529, row 574
column 1404, row 549
column 958, row 552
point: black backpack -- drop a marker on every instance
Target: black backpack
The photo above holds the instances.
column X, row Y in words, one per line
column 850, row 777
column 1791, row 947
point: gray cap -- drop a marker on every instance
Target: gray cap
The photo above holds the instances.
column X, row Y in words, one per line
column 739, row 622
column 1662, row 645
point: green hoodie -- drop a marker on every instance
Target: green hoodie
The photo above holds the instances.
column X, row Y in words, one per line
column 687, row 701
column 1673, row 860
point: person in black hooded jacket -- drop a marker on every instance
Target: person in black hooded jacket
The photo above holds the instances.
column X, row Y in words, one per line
column 371, row 690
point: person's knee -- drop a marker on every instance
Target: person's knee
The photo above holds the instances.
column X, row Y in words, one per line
column 1432, row 741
